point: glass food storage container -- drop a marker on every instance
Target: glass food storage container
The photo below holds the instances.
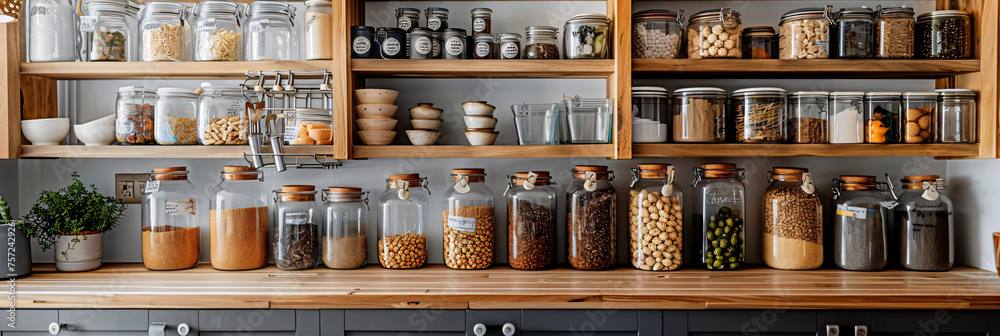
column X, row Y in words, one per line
column 50, row 30
column 847, row 117
column 793, row 221
column 535, row 123
column 363, row 42
column 510, row 46
column 760, row 115
column 437, row 18
column 217, row 34
column 176, row 117
column 540, row 42
column 720, row 210
column 656, row 218
column 468, row 221
column 171, row 222
column 589, row 120
column 859, row 224
column 270, row 32
column 587, row 36
column 238, row 221
column 319, row 30
column 925, row 228
column 482, row 20
column 296, row 230
column 165, row 32
column 917, row 123
column 591, row 225
column 345, row 238
column 854, row 33
column 222, row 118
column 454, row 43
column 134, row 113
column 882, row 117
column 758, row 42
column 407, row 18
column 715, row 33
column 108, row 31
column 402, row 217
column 650, row 108
column 807, row 117
column 657, row 33
column 485, row 46
column 804, row 33
column 421, row 45
column 393, row 43
column 895, row 33
column 944, row 34
column 699, row 115
column 531, row 220
column 956, row 116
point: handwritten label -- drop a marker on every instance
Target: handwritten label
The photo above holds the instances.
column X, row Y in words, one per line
column 152, row 187
column 853, row 212
column 88, row 24
column 296, row 218
column 181, row 208
column 509, row 50
column 479, row 25
column 422, row 45
column 463, row 224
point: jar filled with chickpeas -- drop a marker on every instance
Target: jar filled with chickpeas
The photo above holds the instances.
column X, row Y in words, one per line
column 656, row 220
column 402, row 219
column 715, row 33
column 468, row 220
column 804, row 33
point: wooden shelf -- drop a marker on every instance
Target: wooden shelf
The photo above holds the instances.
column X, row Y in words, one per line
column 176, row 70
column 156, row 152
column 828, row 68
column 818, row 150
column 484, row 68
column 371, row 152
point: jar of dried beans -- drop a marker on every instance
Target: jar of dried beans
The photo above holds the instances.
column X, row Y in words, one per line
column 804, row 34
column 134, row 113
column 591, row 223
column 882, row 117
column 793, row 221
column 758, row 42
column 760, row 115
column 402, row 222
column 270, row 32
column 699, row 115
column 807, row 117
column 657, row 33
column 176, row 116
column 217, row 31
column 656, row 218
column 238, row 221
column 296, row 230
column 720, row 210
column 715, row 33
column 957, row 116
column 222, row 118
column 165, row 32
column 108, row 31
column 919, row 117
column 172, row 210
column 345, row 238
column 854, row 33
column 540, row 42
column 531, row 220
column 847, row 117
column 944, row 34
column 925, row 228
column 895, row 35
column 859, row 223
column 468, row 218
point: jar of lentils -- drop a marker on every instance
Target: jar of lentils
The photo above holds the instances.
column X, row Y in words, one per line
column 793, row 221
column 468, row 220
column 854, row 34
column 657, row 33
column 531, row 220
column 944, row 34
column 715, row 33
column 656, row 218
column 895, row 32
column 804, row 33
column 808, row 112
column 591, row 223
column 402, row 222
column 540, row 42
column 720, row 211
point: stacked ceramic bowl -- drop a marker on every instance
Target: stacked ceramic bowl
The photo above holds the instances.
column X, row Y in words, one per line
column 426, row 122
column 480, row 123
column 376, row 114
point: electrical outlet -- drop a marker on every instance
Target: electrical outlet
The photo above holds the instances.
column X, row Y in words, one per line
column 130, row 187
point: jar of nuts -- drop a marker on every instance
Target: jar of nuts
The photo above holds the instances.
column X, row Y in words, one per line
column 917, row 121
column 792, row 231
column 402, row 219
column 591, row 223
column 859, row 223
column 804, row 33
column 297, row 232
column 720, row 211
column 468, row 220
column 531, row 220
column 656, row 218
column 657, row 33
column 715, row 33
column 222, row 117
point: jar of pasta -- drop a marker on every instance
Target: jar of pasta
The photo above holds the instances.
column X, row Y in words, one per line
column 217, row 31
column 270, row 32
column 760, row 115
column 165, row 35
column 804, row 34
column 895, row 31
column 715, row 33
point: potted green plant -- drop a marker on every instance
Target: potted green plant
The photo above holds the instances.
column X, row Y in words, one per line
column 70, row 221
column 16, row 244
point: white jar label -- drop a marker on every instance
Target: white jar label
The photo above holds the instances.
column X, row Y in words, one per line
column 434, row 23
column 422, row 45
column 291, row 133
column 391, row 46
column 462, row 224
column 207, row 25
column 361, row 45
column 151, row 25
column 259, row 25
column 296, row 218
column 509, row 50
column 455, row 46
column 404, row 23
column 482, row 49
column 854, row 212
column 88, row 24
column 152, row 187
column 479, row 25
column 180, row 208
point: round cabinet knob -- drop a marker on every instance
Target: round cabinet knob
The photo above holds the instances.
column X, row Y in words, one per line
column 183, row 329
column 479, row 329
column 508, row 329
column 55, row 328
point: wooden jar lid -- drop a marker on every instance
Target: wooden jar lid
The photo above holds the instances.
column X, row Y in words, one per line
column 857, row 178
column 789, row 170
column 541, row 174
column 719, row 170
column 922, row 178
column 238, row 169
column 543, row 177
column 718, row 166
column 598, row 169
column 653, row 170
column 170, row 174
column 344, row 190
column 473, row 174
column 297, row 188
column 170, row 169
column 405, row 177
column 239, row 173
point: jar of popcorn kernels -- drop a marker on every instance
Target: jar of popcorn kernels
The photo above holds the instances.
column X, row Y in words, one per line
column 657, row 33
column 715, row 33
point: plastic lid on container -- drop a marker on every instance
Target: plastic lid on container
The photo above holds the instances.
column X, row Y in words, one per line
column 164, row 7
column 809, row 93
column 320, row 3
column 650, row 91
column 134, row 89
column 759, row 91
column 846, row 93
column 803, row 13
column 920, row 94
column 943, row 14
column 883, row 94
column 217, row 6
column 651, row 14
column 221, row 90
column 700, row 90
column 956, row 92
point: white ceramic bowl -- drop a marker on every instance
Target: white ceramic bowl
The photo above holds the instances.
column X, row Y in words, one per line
column 478, row 108
column 376, row 96
column 426, row 124
column 45, row 132
column 107, row 121
column 480, row 122
column 481, row 138
column 95, row 135
column 422, row 137
column 425, row 111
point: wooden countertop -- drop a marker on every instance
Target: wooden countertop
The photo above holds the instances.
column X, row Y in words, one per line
column 132, row 286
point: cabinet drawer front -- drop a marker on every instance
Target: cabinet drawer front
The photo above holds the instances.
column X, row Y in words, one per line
column 31, row 320
column 105, row 320
column 496, row 318
column 173, row 318
column 752, row 322
column 404, row 320
column 246, row 320
column 582, row 321
column 930, row 322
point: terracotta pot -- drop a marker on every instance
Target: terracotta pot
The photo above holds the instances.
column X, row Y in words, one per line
column 78, row 252
column 17, row 246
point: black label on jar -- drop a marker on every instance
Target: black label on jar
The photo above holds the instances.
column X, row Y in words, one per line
column 509, row 50
column 391, row 46
column 455, row 46
column 422, row 45
column 479, row 25
column 434, row 23
column 404, row 23
column 482, row 49
column 361, row 45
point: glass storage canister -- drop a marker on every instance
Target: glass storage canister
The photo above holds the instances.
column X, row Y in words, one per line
column 468, row 219
column 657, row 33
column 895, row 33
column 51, row 30
column 656, row 218
column 393, row 43
column 793, row 221
column 421, row 45
column 238, row 221
column 437, row 18
column 804, row 33
column 859, row 224
column 482, row 20
column 407, row 18
column 531, row 220
column 917, row 122
column 715, row 33
column 854, row 33
column 925, row 228
column 296, row 230
column 108, row 30
column 758, row 42
column 847, row 117
column 540, row 42
column 270, row 32
column 591, row 220
column 217, row 31
column 699, row 115
column 402, row 217
column 454, row 43
column 944, row 34
column 760, row 115
column 882, row 117
column 176, row 117
column 222, row 118
column 587, row 36
column 134, row 113
column 165, row 32
column 510, row 46
column 650, row 108
column 807, row 117
column 318, row 30
column 345, row 238
column 485, row 46
column 956, row 116
column 171, row 227
column 363, row 42
column 720, row 210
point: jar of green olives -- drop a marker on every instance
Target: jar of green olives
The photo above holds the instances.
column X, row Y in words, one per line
column 720, row 209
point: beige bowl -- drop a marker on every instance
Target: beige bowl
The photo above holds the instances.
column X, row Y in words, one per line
column 376, row 96
column 426, row 124
column 480, row 122
column 422, row 137
column 381, row 124
column 377, row 138
column 376, row 111
column 477, row 138
column 425, row 111
column 478, row 108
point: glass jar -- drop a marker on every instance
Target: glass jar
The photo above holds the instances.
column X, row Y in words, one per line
column 656, row 218
column 222, row 118
column 238, row 221
column 760, row 115
column 165, row 35
column 699, row 115
column 51, row 30
column 402, row 217
column 308, row 126
column 917, row 123
column 804, row 33
column 540, row 42
column 715, row 33
column 296, row 230
column 650, row 108
column 895, row 35
column 134, row 113
column 510, row 46
column 592, row 223
column 847, row 117
column 270, row 32
column 531, row 220
column 420, row 43
column 657, row 33
column 482, row 20
column 859, row 224
column 587, row 36
column 957, row 116
column 436, row 40
column 437, row 18
column 468, row 221
column 319, row 30
column 171, row 224
column 854, row 33
column 793, row 221
column 407, row 18
column 363, row 42
column 485, row 46
column 454, row 43
column 882, row 117
column 944, row 34
column 925, row 228
column 807, row 117
column 108, row 30
column 720, row 210
column 345, row 217
column 758, row 42
column 176, row 117
column 393, row 44
column 218, row 33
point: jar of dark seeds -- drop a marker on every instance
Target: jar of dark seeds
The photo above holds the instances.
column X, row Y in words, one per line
column 656, row 218
column 591, row 223
column 853, row 35
column 793, row 221
column 944, row 34
column 859, row 228
column 531, row 220
column 882, row 117
column 540, row 42
column 297, row 231
column 895, row 32
column 807, row 117
column 925, row 229
column 760, row 115
column 719, row 210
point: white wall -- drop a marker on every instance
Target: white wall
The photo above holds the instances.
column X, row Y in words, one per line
column 973, row 189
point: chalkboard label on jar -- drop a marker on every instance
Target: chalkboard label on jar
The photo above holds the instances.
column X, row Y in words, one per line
column 361, row 45
column 434, row 23
column 207, row 25
column 483, row 49
column 479, row 25
column 391, row 46
column 510, row 50
column 455, row 46
column 404, row 23
column 422, row 45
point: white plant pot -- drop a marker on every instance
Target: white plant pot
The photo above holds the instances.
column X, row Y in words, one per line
column 75, row 253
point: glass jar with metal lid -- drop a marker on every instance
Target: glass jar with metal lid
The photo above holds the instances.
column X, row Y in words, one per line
column 657, row 33
column 720, row 211
column 485, row 46
column 172, row 210
column 437, row 18
column 895, row 31
column 50, row 28
column 165, row 32
column 222, row 118
column 296, row 230
column 318, row 30
column 402, row 222
column 656, row 218
column 715, row 33
column 882, row 111
column 176, row 116
column 808, row 112
column 758, row 42
column 393, row 43
column 854, row 33
column 540, row 42
column 859, row 223
column 238, row 220
column 420, row 43
column 482, row 20
column 531, row 220
column 760, row 115
column 591, row 227
column 108, row 31
column 468, row 217
column 917, row 123
column 699, row 115
column 847, row 117
column 454, row 43
column 510, row 46
column 217, row 31
column 925, row 227
column 804, row 33
column 587, row 36
column 345, row 238
column 134, row 113
column 793, row 221
column 270, row 32
column 650, row 113
column 364, row 44
column 944, row 34
column 407, row 18
column 957, row 116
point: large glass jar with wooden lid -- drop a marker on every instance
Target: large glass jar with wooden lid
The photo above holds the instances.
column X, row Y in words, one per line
column 592, row 222
column 531, row 220
column 925, row 228
column 402, row 222
column 859, row 223
column 296, row 230
column 238, row 221
column 171, row 220
column 345, row 217
column 468, row 219
column 656, row 218
column 792, row 230
column 720, row 210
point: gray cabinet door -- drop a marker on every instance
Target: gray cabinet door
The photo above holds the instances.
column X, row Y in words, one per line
column 598, row 322
column 396, row 322
column 493, row 320
column 257, row 322
column 930, row 322
column 174, row 319
column 843, row 322
column 769, row 322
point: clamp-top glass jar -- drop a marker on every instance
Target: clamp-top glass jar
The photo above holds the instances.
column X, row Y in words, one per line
column 171, row 220
column 50, row 30
column 238, row 221
column 759, row 43
column 804, row 33
column 421, row 45
column 854, row 34
column 793, row 221
column 699, row 115
column 531, row 220
column 407, row 18
column 657, row 33
column 720, row 211
column 944, row 34
column 222, row 119
column 319, row 30
column 656, row 218
column 402, row 219
column 108, row 30
column 218, row 34
column 896, row 31
column 715, row 33
column 345, row 238
column 591, row 225
column 482, row 20
column 882, row 111
column 540, row 42
column 165, row 32
column 437, row 19
column 956, row 116
column 134, row 113
column 650, row 113
column 859, row 224
column 176, row 116
column 760, row 115
column 270, row 32
column 808, row 112
column 847, row 117
column 296, row 230
column 468, row 221
column 925, row 227
column 587, row 36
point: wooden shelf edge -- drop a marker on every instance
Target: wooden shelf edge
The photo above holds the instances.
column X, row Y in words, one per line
column 810, row 150
column 157, row 152
column 830, row 68
column 128, row 70
column 484, row 68
column 498, row 151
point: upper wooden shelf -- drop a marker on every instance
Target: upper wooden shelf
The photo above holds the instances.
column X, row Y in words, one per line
column 820, row 150
column 827, row 68
column 371, row 152
column 484, row 68
column 156, row 152
column 128, row 70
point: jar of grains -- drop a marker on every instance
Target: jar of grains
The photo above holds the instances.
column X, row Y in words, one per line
column 656, row 218
column 657, row 33
column 482, row 20
column 296, row 230
column 222, row 118
column 468, row 220
column 108, row 31
column 510, row 46
column 50, row 30
column 270, row 32
column 134, row 113
column 944, row 34
column 587, row 36
column 345, row 237
column 758, row 42
column 804, row 33
column 882, row 117
column 591, row 222
column 720, row 210
column 454, row 43
column 650, row 108
column 807, row 117
column 421, row 45
column 956, row 116
column 760, row 115
column 859, row 228
column 854, row 34
column 402, row 217
column 847, row 117
column 917, row 123
column 485, row 47
column 319, row 30
column 925, row 229
column 715, row 33
column 363, row 42
column 238, row 221
column 217, row 31
column 699, row 115
column 531, row 220
column 165, row 35
column 171, row 220
column 793, row 221
column 540, row 42
column 437, row 18
column 176, row 116
column 895, row 35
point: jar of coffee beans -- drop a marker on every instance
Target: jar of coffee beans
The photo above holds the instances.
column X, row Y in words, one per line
column 925, row 228
column 591, row 223
column 297, row 231
column 656, row 218
column 859, row 223
column 402, row 222
column 531, row 220
column 792, row 230
column 854, row 34
column 808, row 112
column 944, row 34
column 715, row 33
column 719, row 210
column 468, row 220
column 540, row 42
